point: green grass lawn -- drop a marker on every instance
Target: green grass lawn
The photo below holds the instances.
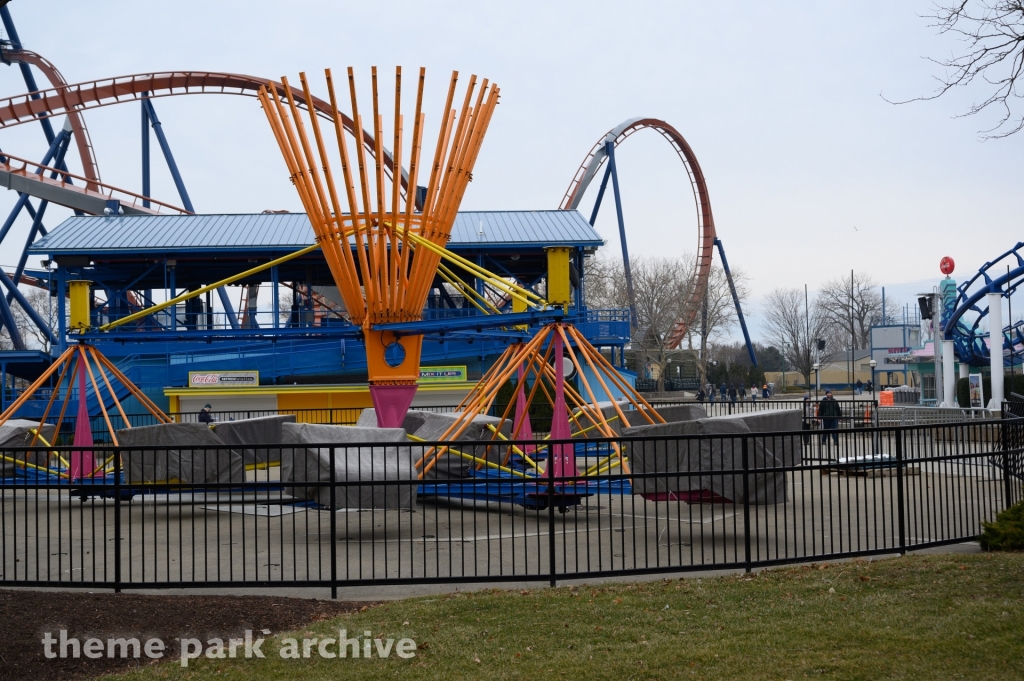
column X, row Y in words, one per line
column 916, row 617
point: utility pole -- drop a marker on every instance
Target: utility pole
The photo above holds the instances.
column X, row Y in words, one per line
column 853, row 338
column 807, row 337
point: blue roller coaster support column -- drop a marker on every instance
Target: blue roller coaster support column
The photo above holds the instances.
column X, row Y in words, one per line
column 168, row 156
column 610, row 149
column 26, row 70
column 149, row 118
column 62, row 324
column 7, row 317
column 145, row 150
column 23, row 199
column 275, row 301
column 37, row 223
column 736, row 301
column 600, row 194
column 57, row 147
column 26, row 74
column 29, row 310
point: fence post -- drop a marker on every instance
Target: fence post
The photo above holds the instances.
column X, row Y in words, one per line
column 899, row 490
column 334, row 536
column 551, row 516
column 117, row 520
column 746, row 505
column 1004, row 442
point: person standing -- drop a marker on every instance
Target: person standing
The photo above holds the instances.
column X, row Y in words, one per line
column 753, row 393
column 205, row 415
column 711, row 394
column 700, row 395
column 764, row 391
column 732, row 393
column 722, row 389
column 860, row 387
column 743, row 393
column 829, row 411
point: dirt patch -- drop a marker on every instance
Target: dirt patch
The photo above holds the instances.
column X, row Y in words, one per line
column 25, row 616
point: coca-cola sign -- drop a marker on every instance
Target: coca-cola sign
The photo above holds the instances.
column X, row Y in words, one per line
column 206, row 379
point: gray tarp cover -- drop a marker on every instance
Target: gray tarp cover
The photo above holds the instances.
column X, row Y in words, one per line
column 186, row 461
column 413, row 420
column 451, row 466
column 702, row 457
column 13, row 436
column 785, row 447
column 303, row 463
column 682, row 412
column 265, row 430
column 685, row 412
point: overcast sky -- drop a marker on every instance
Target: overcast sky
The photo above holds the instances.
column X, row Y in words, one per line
column 811, row 172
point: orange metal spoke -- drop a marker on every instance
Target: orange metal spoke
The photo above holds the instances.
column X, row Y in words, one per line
column 99, row 396
column 65, row 361
column 110, row 388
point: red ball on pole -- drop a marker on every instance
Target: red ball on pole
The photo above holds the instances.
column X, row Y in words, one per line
column 946, row 265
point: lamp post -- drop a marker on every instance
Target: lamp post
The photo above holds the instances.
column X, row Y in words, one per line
column 817, row 380
column 873, row 364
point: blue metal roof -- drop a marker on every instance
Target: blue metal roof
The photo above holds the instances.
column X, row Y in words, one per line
column 94, row 235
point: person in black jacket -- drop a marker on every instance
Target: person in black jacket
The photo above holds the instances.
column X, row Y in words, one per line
column 205, row 416
column 829, row 411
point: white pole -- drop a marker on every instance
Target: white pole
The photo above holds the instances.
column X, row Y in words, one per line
column 995, row 348
column 948, row 374
column 965, row 369
column 937, row 347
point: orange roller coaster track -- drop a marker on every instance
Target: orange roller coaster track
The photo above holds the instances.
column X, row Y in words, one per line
column 596, row 158
column 76, row 97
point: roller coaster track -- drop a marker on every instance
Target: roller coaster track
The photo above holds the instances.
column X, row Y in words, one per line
column 992, row 277
column 705, row 220
column 78, row 97
column 30, row 178
column 91, row 169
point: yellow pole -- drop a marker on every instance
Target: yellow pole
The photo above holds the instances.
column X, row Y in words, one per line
column 559, row 290
column 514, row 448
column 78, row 292
column 476, row 459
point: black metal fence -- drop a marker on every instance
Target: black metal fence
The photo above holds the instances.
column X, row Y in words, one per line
column 351, row 514
column 855, row 413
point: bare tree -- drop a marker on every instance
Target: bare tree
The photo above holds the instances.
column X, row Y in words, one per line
column 849, row 308
column 662, row 288
column 793, row 328
column 992, row 32
column 605, row 283
column 717, row 316
column 46, row 307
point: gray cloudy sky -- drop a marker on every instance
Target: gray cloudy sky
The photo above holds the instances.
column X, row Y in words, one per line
column 811, row 173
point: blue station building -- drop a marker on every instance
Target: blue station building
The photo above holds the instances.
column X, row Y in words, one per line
column 280, row 339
